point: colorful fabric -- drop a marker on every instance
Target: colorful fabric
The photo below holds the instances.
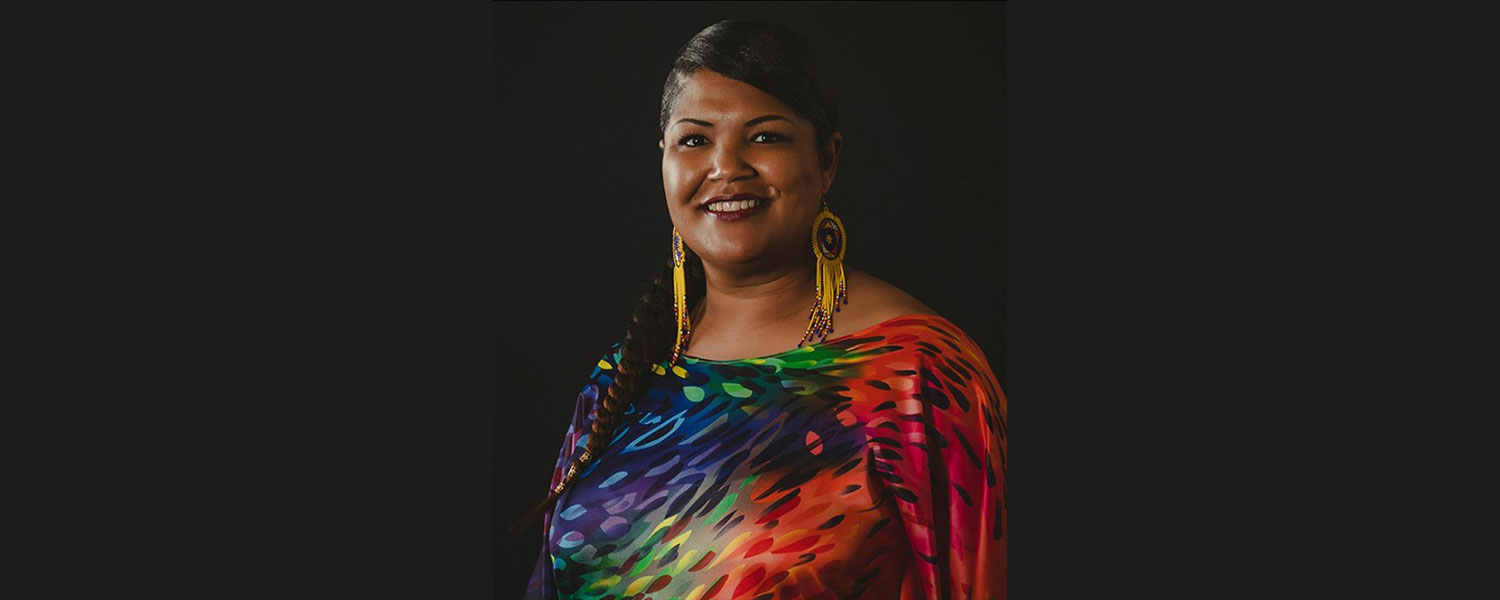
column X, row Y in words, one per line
column 868, row 466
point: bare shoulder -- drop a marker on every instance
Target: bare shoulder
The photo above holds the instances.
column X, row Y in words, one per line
column 873, row 301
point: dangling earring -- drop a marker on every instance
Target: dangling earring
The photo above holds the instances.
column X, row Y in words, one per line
column 829, row 244
column 679, row 293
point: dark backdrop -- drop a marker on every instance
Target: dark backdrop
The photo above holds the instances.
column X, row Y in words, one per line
column 272, row 368
column 921, row 90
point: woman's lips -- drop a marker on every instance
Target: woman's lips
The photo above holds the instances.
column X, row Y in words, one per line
column 735, row 215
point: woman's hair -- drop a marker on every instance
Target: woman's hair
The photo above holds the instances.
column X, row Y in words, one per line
column 765, row 55
column 784, row 65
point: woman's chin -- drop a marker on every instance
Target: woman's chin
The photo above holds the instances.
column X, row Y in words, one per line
column 734, row 254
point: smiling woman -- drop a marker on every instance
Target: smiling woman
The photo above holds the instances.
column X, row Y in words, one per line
column 739, row 145
column 727, row 447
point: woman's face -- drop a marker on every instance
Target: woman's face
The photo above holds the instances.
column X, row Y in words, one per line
column 725, row 138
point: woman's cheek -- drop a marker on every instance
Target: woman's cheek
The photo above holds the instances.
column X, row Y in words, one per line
column 672, row 176
column 680, row 190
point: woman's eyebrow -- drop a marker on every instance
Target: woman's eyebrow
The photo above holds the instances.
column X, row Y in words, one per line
column 764, row 118
column 750, row 123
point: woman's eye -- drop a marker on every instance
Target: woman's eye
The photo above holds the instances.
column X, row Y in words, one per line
column 764, row 136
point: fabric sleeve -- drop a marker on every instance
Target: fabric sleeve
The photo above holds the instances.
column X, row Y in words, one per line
column 947, row 474
column 540, row 585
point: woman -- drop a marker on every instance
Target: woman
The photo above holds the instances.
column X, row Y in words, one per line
column 729, row 448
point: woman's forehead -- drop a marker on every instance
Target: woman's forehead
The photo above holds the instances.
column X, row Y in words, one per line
column 709, row 96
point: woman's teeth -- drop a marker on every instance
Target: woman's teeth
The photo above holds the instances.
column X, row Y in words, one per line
column 734, row 205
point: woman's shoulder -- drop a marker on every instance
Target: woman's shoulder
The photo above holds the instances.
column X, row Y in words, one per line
column 878, row 301
column 908, row 322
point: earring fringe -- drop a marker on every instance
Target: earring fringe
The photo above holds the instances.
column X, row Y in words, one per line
column 679, row 293
column 830, row 244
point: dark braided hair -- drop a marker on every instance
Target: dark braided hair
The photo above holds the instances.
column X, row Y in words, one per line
column 648, row 341
column 784, row 65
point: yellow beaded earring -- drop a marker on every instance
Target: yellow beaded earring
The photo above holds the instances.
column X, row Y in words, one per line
column 679, row 293
column 829, row 244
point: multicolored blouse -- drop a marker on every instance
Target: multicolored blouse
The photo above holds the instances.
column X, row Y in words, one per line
column 871, row 466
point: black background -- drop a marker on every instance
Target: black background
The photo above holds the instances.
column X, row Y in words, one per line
column 920, row 186
column 278, row 261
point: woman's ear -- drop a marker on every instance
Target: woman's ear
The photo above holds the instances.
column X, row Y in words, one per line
column 830, row 158
column 661, row 144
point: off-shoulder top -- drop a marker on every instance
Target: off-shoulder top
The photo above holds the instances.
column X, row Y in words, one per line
column 871, row 465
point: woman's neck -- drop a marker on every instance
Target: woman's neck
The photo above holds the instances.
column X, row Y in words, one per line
column 737, row 304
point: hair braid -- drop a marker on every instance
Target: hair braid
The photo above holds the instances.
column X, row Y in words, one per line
column 648, row 341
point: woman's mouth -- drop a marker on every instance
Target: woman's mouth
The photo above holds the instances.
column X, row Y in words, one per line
column 734, row 210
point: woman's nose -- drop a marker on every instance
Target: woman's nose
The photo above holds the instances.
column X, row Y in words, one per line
column 728, row 163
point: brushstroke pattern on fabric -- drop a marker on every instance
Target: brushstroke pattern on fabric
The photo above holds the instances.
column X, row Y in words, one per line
column 871, row 466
